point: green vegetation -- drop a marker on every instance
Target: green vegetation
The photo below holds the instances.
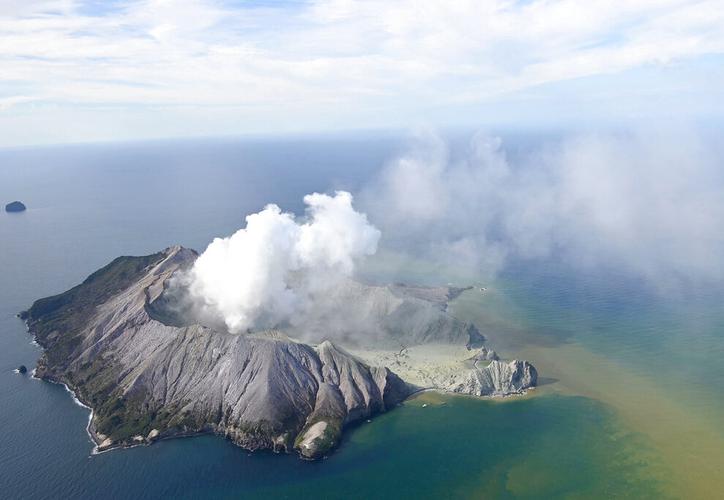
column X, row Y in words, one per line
column 56, row 321
column 122, row 418
column 328, row 440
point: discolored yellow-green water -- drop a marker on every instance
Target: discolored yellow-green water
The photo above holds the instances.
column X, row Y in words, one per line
column 682, row 445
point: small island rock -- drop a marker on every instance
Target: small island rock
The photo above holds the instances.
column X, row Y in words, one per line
column 15, row 206
column 22, row 369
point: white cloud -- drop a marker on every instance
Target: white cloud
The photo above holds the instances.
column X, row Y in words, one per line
column 268, row 271
column 325, row 60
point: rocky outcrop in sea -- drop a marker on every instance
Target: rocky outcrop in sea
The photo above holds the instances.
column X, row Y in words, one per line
column 15, row 206
column 499, row 378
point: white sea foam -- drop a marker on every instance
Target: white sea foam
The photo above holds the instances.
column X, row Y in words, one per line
column 75, row 398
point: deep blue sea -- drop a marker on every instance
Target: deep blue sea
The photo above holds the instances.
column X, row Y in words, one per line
column 632, row 379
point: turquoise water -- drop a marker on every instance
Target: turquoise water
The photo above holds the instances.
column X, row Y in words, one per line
column 89, row 204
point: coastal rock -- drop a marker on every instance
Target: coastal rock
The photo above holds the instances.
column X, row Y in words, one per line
column 497, row 379
column 22, row 369
column 15, row 206
column 105, row 444
column 316, row 440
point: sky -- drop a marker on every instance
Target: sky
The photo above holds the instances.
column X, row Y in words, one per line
column 95, row 70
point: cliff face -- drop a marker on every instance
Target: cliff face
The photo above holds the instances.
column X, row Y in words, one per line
column 114, row 340
column 497, row 379
column 146, row 380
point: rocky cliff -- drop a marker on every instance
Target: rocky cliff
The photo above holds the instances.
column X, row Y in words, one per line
column 497, row 379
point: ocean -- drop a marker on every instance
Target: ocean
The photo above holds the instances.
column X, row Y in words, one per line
column 632, row 382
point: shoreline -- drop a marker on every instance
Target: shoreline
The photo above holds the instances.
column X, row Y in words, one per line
column 78, row 402
column 417, row 371
column 94, row 438
column 33, row 376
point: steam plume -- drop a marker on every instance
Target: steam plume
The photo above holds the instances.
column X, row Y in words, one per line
column 263, row 274
column 650, row 203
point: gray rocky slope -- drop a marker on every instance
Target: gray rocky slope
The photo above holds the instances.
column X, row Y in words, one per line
column 498, row 378
column 147, row 378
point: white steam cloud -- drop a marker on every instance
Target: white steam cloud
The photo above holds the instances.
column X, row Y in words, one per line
column 262, row 275
column 649, row 203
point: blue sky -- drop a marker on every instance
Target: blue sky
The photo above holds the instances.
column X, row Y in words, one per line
column 74, row 70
